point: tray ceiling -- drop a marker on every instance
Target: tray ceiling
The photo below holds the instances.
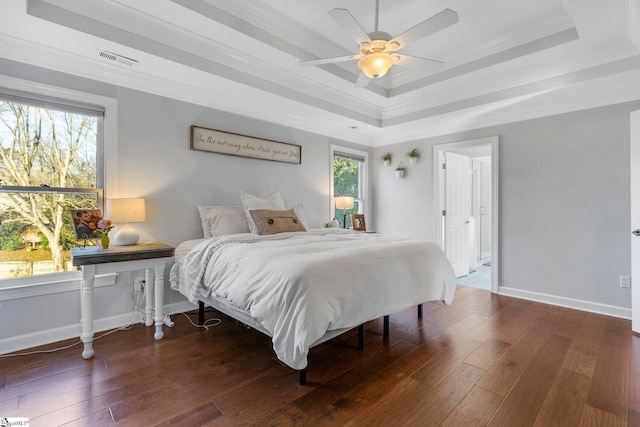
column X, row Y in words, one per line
column 502, row 61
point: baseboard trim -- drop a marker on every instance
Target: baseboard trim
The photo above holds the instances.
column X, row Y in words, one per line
column 36, row 339
column 592, row 307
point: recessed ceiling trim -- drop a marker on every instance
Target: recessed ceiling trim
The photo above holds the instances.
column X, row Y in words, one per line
column 567, row 79
column 547, row 42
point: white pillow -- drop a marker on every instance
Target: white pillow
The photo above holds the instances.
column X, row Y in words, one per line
column 220, row 220
column 300, row 214
column 273, row 202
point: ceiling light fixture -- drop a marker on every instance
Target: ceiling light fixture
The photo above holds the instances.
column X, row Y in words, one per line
column 376, row 63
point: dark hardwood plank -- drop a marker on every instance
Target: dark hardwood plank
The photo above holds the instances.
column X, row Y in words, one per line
column 507, row 325
column 565, row 401
column 459, row 329
column 335, row 400
column 445, row 362
column 474, row 410
column 501, row 377
column 609, row 390
column 487, row 354
column 486, row 359
column 429, row 408
column 523, row 402
column 583, row 354
column 594, row 417
column 436, row 405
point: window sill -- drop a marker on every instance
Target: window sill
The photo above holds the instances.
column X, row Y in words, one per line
column 45, row 284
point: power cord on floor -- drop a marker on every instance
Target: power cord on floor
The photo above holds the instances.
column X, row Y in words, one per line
column 205, row 325
column 122, row 328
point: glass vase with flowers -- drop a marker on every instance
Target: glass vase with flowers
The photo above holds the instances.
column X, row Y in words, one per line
column 102, row 232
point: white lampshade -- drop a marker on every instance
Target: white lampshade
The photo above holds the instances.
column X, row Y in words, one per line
column 121, row 212
column 344, row 202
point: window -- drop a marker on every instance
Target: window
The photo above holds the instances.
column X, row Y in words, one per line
column 50, row 162
column 349, row 178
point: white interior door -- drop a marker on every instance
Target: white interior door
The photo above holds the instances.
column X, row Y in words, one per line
column 457, row 211
column 635, row 220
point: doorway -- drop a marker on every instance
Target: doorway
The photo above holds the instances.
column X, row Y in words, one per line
column 465, row 189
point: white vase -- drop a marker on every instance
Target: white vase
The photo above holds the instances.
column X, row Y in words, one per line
column 400, row 173
column 335, row 223
column 386, row 162
column 413, row 160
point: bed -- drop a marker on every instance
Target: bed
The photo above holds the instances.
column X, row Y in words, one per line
column 302, row 288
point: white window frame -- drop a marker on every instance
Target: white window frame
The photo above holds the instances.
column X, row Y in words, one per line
column 363, row 200
column 23, row 287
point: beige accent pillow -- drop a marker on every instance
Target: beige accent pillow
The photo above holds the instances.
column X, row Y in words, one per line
column 273, row 222
column 220, row 220
column 249, row 202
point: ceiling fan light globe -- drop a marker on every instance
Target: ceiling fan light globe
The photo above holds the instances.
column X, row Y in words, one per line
column 375, row 65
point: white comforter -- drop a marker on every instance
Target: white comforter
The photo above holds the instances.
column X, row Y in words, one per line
column 300, row 285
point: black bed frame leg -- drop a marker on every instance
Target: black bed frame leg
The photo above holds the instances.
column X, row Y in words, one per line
column 361, row 337
column 385, row 326
column 200, row 313
column 419, row 311
column 302, row 376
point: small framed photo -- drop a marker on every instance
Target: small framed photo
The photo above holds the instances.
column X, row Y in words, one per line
column 357, row 220
column 85, row 222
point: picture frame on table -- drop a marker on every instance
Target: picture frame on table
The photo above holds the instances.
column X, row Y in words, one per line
column 357, row 220
column 85, row 222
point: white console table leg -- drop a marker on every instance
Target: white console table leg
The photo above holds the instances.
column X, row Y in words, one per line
column 86, row 309
column 159, row 298
column 148, row 290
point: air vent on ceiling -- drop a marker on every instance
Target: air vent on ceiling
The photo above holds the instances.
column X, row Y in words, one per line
column 114, row 57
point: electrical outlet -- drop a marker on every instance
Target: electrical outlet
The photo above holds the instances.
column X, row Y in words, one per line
column 625, row 281
column 138, row 284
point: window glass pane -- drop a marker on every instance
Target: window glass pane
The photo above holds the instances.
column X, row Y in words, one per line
column 43, row 146
column 346, row 177
column 37, row 240
column 346, row 182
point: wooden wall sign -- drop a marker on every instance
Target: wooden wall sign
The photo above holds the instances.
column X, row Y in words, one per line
column 232, row 144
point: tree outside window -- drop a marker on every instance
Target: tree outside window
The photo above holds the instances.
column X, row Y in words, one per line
column 45, row 154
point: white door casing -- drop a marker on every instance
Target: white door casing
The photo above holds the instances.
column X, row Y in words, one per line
column 457, row 211
column 634, row 156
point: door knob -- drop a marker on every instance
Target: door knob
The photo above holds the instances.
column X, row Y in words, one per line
column 636, row 232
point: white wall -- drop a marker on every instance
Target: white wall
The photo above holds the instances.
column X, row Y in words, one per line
column 154, row 161
column 564, row 205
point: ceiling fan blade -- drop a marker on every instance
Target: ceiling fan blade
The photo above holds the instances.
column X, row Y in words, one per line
column 349, row 23
column 330, row 60
column 434, row 24
column 406, row 60
column 363, row 80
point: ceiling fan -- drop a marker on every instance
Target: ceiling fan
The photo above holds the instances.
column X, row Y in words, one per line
column 377, row 50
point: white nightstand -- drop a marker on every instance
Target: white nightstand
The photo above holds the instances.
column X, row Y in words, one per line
column 95, row 260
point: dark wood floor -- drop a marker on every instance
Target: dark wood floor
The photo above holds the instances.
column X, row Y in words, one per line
column 485, row 360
